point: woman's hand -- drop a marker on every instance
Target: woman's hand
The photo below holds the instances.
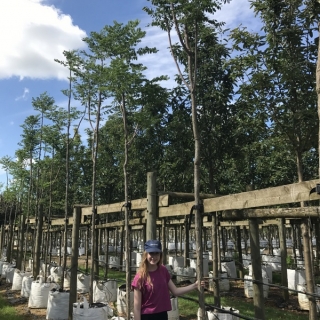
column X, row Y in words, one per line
column 202, row 284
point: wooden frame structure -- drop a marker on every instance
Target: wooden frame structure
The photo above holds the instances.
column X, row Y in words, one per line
column 243, row 209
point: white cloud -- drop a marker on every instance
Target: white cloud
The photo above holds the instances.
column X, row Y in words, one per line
column 36, row 35
column 236, row 13
column 24, row 96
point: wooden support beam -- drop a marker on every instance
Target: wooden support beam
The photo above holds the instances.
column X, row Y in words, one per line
column 291, row 193
column 139, row 204
column 189, row 196
column 242, row 223
column 272, row 213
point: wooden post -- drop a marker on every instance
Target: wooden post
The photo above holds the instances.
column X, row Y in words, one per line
column 152, row 205
column 299, row 237
column 94, row 253
column 21, row 242
column 180, row 238
column 36, row 260
column 239, row 248
column 305, row 233
column 116, row 241
column 87, row 248
column 294, row 243
column 186, row 243
column 283, row 253
column 164, row 241
column 1, row 239
column 176, row 239
column 74, row 259
column 99, row 239
column 199, row 267
column 121, row 250
column 10, row 236
column 106, row 252
column 317, row 234
column 215, row 265
column 60, row 234
column 258, row 299
column 223, row 241
column 218, row 230
column 50, row 244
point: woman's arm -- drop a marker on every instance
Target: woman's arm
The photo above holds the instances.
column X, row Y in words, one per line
column 178, row 291
column 137, row 304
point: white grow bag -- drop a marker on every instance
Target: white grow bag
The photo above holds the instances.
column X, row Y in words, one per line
column 246, row 260
column 55, row 274
column 266, row 271
column 114, row 262
column 66, row 281
column 1, row 265
column 173, row 314
column 82, row 311
column 5, row 266
column 58, row 305
column 230, row 268
column 105, row 291
column 295, row 277
column 248, row 287
column 176, row 262
column 82, row 251
column 121, row 300
column 138, row 259
column 224, row 283
column 9, row 274
column 17, row 279
column 39, row 293
column 303, row 299
column 205, row 266
column 183, row 274
column 26, row 286
column 83, row 282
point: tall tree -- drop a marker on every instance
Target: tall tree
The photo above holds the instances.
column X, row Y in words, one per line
column 281, row 67
column 29, row 143
column 188, row 18
column 72, row 63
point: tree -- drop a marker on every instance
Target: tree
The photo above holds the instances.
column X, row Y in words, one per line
column 280, row 65
column 188, row 18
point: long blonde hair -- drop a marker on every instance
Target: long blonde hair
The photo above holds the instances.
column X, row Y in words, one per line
column 143, row 270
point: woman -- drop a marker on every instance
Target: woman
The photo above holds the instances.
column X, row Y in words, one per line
column 152, row 284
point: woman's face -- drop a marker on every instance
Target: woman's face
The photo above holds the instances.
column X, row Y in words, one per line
column 153, row 257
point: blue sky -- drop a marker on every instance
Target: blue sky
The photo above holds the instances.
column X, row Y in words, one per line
column 35, row 32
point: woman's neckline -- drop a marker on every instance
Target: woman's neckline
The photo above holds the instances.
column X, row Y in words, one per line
column 153, row 270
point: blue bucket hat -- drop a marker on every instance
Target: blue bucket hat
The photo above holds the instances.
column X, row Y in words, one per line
column 153, row 246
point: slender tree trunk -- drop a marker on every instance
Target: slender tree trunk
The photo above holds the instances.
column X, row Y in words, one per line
column 305, row 232
column 283, row 253
column 127, row 206
column 215, row 261
column 28, row 207
column 94, row 257
column 318, row 95
column 66, row 199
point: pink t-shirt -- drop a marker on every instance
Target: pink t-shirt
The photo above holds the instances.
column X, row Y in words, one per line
column 157, row 298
